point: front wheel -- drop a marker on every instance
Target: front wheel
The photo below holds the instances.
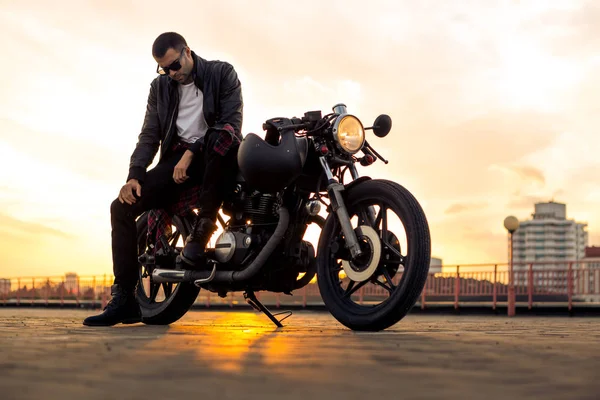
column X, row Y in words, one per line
column 377, row 289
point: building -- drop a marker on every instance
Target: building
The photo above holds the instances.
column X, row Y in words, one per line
column 4, row 286
column 435, row 266
column 546, row 240
column 71, row 282
column 587, row 278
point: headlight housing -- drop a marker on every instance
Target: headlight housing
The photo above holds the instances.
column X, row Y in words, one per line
column 349, row 133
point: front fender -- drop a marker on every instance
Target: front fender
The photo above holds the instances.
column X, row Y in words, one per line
column 356, row 182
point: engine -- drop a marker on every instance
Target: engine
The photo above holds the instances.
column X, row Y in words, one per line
column 261, row 208
column 233, row 247
column 254, row 220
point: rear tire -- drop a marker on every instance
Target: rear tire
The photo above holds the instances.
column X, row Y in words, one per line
column 182, row 295
column 415, row 259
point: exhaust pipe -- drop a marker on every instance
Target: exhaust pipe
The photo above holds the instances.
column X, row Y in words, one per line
column 172, row 275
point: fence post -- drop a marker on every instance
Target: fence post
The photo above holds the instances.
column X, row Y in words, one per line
column 530, row 285
column 94, row 292
column 104, row 301
column 47, row 290
column 570, row 285
column 456, row 287
column 77, row 296
column 495, row 288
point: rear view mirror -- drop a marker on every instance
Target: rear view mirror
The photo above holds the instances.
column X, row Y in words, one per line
column 382, row 125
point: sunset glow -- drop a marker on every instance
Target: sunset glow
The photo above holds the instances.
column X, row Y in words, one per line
column 494, row 107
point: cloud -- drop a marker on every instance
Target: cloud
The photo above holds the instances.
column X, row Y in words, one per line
column 575, row 31
column 529, row 173
column 76, row 155
column 24, row 229
column 526, row 202
column 463, row 207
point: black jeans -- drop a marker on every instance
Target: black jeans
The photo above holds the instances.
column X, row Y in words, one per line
column 214, row 172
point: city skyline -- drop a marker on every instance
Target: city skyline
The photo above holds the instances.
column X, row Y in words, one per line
column 493, row 108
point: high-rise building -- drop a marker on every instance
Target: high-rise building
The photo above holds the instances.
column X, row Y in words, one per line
column 548, row 237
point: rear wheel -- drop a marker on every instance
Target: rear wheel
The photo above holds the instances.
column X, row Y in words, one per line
column 379, row 288
column 163, row 303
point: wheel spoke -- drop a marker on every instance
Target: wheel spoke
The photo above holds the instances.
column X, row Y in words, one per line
column 379, row 216
column 168, row 289
column 349, row 287
column 383, row 285
column 384, row 222
column 337, row 267
column 352, row 288
column 364, row 217
column 175, row 239
column 154, row 287
column 388, row 278
column 393, row 250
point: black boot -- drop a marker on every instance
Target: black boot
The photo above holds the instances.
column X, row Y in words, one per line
column 122, row 308
column 195, row 244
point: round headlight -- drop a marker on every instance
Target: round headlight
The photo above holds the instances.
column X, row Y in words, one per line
column 349, row 133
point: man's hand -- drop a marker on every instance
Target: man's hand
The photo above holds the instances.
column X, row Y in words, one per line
column 126, row 193
column 180, row 172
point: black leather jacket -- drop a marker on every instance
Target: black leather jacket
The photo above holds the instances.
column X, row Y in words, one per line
column 222, row 105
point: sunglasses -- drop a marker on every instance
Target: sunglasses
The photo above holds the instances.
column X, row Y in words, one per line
column 175, row 66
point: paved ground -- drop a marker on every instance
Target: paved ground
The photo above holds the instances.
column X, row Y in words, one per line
column 48, row 354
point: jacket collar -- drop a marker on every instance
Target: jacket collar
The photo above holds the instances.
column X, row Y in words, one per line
column 198, row 72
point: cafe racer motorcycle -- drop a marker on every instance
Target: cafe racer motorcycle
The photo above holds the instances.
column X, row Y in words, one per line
column 373, row 231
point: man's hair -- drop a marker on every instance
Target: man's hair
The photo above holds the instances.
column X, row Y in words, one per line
column 166, row 41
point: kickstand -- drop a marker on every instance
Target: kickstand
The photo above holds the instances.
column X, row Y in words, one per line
column 258, row 306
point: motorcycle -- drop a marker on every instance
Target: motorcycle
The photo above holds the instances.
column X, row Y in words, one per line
column 374, row 231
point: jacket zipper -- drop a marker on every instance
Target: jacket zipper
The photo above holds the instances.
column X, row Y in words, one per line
column 171, row 123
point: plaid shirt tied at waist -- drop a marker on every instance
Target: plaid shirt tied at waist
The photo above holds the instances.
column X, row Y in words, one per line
column 160, row 220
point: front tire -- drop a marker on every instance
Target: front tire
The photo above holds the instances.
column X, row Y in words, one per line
column 402, row 268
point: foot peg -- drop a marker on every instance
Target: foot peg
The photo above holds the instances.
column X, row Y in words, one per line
column 251, row 299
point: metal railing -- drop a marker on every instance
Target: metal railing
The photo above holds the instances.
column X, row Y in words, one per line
column 484, row 284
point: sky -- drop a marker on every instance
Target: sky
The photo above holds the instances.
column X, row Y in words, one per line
column 494, row 107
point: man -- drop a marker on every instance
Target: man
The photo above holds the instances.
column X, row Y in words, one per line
column 194, row 114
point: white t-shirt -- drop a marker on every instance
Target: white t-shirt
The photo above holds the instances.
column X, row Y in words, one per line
column 191, row 125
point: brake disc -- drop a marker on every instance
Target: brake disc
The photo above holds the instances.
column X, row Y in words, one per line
column 362, row 268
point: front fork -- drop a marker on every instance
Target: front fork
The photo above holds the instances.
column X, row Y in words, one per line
column 335, row 189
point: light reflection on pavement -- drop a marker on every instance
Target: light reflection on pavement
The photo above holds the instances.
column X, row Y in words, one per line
column 47, row 354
